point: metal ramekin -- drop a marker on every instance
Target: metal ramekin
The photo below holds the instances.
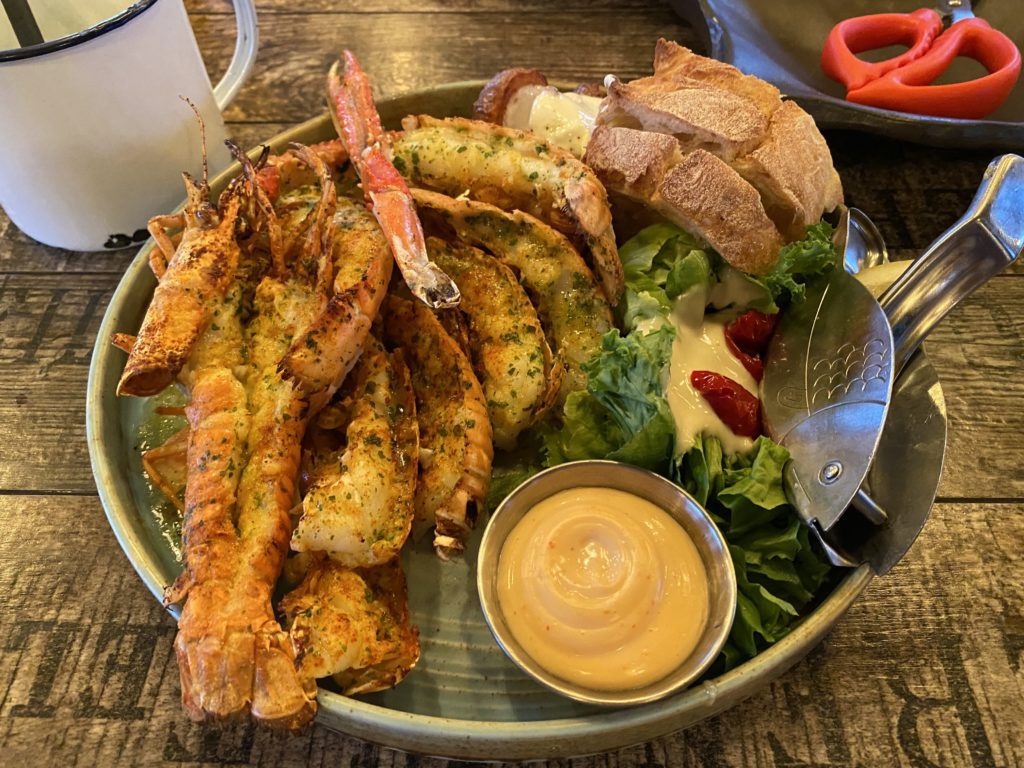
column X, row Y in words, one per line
column 680, row 505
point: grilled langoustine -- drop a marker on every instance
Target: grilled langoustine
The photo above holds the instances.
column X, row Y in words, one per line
column 194, row 277
column 358, row 508
column 569, row 301
column 514, row 170
column 353, row 624
column 455, row 430
column 349, row 617
column 504, row 337
column 247, row 416
column 246, row 426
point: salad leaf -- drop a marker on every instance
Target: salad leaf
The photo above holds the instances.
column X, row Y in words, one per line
column 622, row 414
column 778, row 570
column 798, row 262
column 505, row 479
column 663, row 261
column 660, row 263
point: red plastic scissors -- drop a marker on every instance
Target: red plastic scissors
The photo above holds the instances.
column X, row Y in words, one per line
column 903, row 83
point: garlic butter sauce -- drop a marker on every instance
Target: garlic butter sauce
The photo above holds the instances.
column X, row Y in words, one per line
column 603, row 589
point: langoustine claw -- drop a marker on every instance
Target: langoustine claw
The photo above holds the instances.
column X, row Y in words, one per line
column 359, row 127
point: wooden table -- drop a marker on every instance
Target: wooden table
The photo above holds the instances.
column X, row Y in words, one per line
column 926, row 670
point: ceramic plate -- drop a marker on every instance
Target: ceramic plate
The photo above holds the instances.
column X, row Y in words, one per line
column 781, row 42
column 464, row 699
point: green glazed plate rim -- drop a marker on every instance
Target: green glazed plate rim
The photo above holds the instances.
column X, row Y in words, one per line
column 424, row 734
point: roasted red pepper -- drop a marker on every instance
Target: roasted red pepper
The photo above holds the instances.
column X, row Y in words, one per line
column 747, row 337
column 752, row 363
column 751, row 331
column 734, row 405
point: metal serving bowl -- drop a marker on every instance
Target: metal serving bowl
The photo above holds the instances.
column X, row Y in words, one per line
column 690, row 515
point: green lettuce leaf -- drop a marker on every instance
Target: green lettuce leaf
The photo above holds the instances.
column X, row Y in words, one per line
column 660, row 263
column 622, row 414
column 798, row 262
column 505, row 479
column 778, row 569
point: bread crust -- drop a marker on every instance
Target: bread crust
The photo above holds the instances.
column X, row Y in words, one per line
column 630, row 160
column 700, row 117
column 707, row 198
column 674, row 62
column 718, row 152
column 793, row 172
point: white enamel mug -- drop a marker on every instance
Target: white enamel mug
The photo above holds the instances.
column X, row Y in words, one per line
column 94, row 133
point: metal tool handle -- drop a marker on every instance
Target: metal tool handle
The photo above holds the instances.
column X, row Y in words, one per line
column 980, row 245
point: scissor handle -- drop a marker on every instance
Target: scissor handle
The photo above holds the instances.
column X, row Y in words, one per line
column 915, row 30
column 908, row 88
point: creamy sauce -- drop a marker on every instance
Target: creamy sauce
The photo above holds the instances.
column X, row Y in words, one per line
column 878, row 278
column 700, row 346
column 733, row 289
column 603, row 588
column 564, row 119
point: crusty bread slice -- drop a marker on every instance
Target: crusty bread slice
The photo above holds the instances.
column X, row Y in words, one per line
column 704, row 103
column 793, row 172
column 700, row 117
column 707, row 198
column 750, row 171
column 631, row 161
column 716, row 151
column 698, row 191
column 681, row 65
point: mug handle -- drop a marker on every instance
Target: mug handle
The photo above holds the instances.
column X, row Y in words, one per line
column 246, row 43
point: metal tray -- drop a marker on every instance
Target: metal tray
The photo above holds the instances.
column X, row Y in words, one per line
column 465, row 699
column 781, row 42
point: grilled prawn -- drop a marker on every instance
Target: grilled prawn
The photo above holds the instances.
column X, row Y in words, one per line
column 568, row 299
column 319, row 358
column 194, row 276
column 246, row 425
column 358, row 507
column 247, row 419
column 352, row 625
column 505, row 339
column 514, row 170
column 454, row 428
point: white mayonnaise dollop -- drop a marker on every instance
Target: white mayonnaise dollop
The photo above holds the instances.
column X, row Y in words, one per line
column 700, row 346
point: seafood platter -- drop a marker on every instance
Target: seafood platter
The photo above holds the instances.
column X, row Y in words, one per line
column 338, row 361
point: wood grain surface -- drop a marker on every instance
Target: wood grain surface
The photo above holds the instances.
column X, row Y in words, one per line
column 926, row 670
